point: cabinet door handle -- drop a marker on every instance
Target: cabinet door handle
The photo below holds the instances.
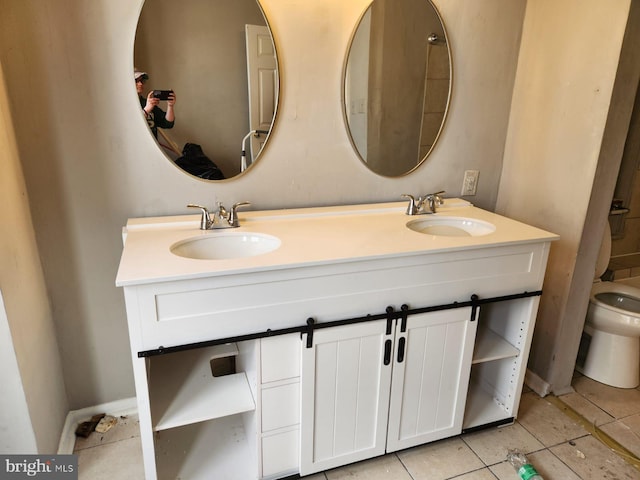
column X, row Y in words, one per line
column 401, row 343
column 387, row 352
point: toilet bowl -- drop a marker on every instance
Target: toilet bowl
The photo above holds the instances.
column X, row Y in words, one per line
column 611, row 335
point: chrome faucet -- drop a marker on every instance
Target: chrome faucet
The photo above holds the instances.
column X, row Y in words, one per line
column 417, row 205
column 434, row 200
column 222, row 218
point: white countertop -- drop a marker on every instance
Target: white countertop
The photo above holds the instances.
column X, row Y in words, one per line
column 309, row 236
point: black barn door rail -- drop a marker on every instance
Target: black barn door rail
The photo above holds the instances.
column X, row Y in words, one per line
column 311, row 325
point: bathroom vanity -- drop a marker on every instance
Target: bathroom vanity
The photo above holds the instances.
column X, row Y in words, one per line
column 311, row 338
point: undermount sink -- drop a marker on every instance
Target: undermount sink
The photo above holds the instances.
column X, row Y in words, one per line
column 451, row 226
column 225, row 246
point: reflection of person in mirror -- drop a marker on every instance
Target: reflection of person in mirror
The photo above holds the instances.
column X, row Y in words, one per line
column 156, row 117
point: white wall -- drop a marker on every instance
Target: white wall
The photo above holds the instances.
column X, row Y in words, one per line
column 33, row 403
column 559, row 166
column 90, row 164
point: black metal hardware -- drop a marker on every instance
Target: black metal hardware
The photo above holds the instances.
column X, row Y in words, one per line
column 310, row 322
column 389, row 316
column 387, row 352
column 474, row 306
column 437, row 308
column 403, row 325
column 401, row 345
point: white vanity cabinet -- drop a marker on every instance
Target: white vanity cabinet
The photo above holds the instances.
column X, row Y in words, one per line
column 204, row 399
column 368, row 389
column 499, row 361
column 230, row 385
column 229, row 411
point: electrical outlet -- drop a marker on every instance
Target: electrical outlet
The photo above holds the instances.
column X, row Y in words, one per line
column 470, row 182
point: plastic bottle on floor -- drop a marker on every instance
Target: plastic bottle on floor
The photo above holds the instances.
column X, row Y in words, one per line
column 523, row 467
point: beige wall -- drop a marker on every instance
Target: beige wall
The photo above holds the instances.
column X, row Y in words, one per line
column 563, row 149
column 34, row 403
column 90, row 163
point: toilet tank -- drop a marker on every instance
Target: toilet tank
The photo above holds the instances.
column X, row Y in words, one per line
column 604, row 254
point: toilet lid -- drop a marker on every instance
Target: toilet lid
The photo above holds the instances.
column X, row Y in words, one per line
column 605, row 252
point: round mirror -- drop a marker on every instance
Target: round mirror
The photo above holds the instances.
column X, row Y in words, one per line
column 207, row 81
column 397, row 84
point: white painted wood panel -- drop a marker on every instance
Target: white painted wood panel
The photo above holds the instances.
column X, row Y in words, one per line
column 183, row 390
column 280, row 357
column 218, row 449
column 345, row 396
column 280, row 453
column 491, row 346
column 280, row 406
column 262, row 82
column 176, row 313
column 429, row 387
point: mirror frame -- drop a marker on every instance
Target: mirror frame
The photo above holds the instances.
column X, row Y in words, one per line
column 277, row 101
column 445, row 116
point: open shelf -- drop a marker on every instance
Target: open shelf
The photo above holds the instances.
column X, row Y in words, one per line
column 214, row 449
column 491, row 346
column 183, row 390
column 481, row 408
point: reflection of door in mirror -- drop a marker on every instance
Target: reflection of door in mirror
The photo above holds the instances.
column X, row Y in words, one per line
column 397, row 84
column 198, row 49
column 262, row 79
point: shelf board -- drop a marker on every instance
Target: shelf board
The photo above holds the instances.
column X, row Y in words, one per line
column 183, row 390
column 481, row 408
column 214, row 449
column 491, row 346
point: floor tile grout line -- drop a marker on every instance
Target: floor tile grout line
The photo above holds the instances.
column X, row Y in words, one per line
column 588, row 397
column 403, row 465
column 596, row 432
column 571, row 443
column 462, row 437
column 486, row 467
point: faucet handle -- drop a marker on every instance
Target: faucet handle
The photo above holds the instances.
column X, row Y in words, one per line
column 205, row 219
column 437, row 197
column 412, row 208
column 434, row 200
column 233, row 215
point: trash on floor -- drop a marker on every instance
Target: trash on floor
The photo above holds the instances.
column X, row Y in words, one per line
column 85, row 428
column 525, row 470
column 105, row 424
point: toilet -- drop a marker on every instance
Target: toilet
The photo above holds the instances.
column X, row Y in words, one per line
column 610, row 347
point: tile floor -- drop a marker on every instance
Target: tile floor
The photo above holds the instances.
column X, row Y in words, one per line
column 559, row 443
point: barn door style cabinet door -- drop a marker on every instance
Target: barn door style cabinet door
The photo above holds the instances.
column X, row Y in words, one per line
column 373, row 387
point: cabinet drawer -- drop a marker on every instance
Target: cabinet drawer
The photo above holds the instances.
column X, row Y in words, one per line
column 280, row 453
column 280, row 357
column 280, row 406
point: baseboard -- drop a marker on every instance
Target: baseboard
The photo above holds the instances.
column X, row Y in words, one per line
column 537, row 384
column 126, row 406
